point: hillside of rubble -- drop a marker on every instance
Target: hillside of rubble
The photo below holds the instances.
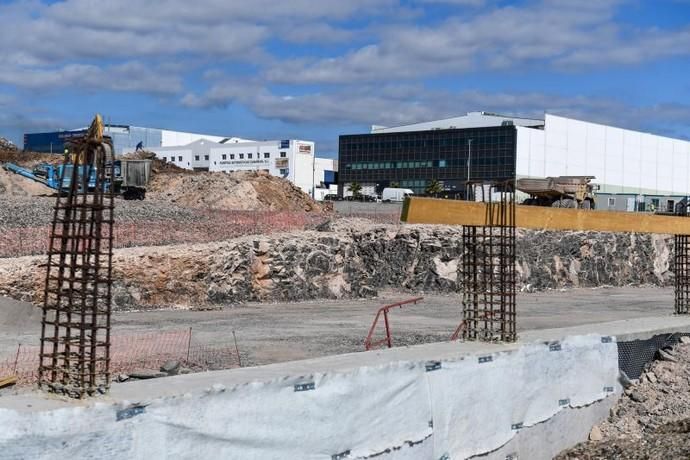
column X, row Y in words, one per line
column 247, row 191
column 652, row 418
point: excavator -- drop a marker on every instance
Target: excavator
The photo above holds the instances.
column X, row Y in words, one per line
column 126, row 177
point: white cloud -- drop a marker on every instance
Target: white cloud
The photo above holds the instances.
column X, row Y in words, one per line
column 558, row 34
column 128, row 76
column 393, row 105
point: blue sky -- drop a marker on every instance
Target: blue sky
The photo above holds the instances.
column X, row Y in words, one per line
column 310, row 69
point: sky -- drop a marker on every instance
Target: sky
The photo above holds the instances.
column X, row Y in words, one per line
column 315, row 69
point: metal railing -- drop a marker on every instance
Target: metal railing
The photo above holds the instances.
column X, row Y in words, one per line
column 369, row 343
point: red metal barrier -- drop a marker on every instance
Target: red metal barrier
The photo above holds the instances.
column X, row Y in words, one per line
column 368, row 343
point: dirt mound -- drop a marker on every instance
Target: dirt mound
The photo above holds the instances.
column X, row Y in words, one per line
column 28, row 159
column 17, row 186
column 250, row 190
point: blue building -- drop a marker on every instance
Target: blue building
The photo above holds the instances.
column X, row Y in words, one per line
column 125, row 138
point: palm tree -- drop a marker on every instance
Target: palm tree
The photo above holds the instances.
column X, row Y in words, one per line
column 434, row 188
column 355, row 189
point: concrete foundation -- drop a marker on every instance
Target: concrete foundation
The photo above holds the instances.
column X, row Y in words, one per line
column 530, row 400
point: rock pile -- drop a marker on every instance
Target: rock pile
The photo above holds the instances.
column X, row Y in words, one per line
column 351, row 260
column 652, row 419
column 6, row 144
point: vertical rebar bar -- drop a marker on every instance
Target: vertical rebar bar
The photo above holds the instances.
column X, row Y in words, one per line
column 489, row 266
column 75, row 327
column 681, row 264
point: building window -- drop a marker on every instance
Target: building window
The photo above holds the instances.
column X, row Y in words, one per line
column 232, row 156
column 283, row 172
column 441, row 163
column 283, row 154
column 196, row 157
column 172, row 159
column 249, row 155
column 241, row 156
column 224, row 156
column 267, row 155
column 179, row 158
column 612, row 202
column 163, row 158
column 206, row 157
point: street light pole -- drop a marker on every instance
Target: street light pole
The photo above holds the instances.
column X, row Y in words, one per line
column 469, row 158
column 469, row 162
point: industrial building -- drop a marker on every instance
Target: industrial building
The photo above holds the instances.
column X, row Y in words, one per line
column 125, row 138
column 292, row 159
column 634, row 170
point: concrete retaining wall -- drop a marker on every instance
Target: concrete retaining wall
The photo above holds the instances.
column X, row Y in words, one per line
column 444, row 400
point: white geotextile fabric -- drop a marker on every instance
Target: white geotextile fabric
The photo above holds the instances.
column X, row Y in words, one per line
column 475, row 408
column 478, row 407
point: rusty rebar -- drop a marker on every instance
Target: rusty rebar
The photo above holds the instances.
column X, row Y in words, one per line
column 489, row 292
column 681, row 263
column 75, row 326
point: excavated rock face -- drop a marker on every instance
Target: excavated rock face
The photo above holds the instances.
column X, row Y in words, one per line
column 353, row 261
column 587, row 259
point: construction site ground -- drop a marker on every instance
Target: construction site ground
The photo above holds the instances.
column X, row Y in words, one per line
column 271, row 333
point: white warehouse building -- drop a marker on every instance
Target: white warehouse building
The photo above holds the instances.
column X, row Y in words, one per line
column 291, row 159
column 631, row 167
column 623, row 161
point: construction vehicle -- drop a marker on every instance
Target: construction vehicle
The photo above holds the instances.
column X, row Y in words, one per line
column 125, row 177
column 130, row 177
column 49, row 175
column 559, row 192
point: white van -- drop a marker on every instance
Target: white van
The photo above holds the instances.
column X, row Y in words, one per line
column 395, row 194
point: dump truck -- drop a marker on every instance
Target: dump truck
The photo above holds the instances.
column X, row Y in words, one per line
column 559, row 192
column 131, row 178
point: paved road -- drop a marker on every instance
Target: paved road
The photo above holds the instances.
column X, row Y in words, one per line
column 270, row 333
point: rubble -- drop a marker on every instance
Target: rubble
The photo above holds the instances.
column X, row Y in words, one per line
column 652, row 418
column 6, row 144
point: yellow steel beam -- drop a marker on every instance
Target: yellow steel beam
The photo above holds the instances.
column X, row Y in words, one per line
column 7, row 381
column 454, row 212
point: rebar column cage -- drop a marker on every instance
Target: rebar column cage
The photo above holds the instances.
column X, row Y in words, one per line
column 488, row 305
column 681, row 269
column 75, row 329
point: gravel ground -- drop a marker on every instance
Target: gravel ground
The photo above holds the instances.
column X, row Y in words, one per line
column 276, row 332
column 18, row 212
column 652, row 419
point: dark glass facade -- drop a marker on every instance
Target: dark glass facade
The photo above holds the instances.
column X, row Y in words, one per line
column 413, row 159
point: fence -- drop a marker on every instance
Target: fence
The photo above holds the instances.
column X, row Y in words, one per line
column 136, row 351
column 206, row 226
